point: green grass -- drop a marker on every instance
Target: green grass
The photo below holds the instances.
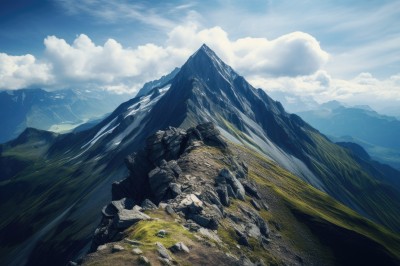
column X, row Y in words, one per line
column 306, row 199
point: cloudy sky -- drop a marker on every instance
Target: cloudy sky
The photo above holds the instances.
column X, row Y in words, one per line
column 344, row 50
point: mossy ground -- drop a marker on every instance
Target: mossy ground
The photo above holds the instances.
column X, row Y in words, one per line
column 303, row 198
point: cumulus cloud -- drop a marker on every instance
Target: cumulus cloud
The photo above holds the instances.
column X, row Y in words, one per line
column 364, row 89
column 293, row 54
column 23, row 71
column 123, row 69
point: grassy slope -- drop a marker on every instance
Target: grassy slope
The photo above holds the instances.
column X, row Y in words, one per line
column 305, row 199
column 297, row 207
column 339, row 169
column 39, row 193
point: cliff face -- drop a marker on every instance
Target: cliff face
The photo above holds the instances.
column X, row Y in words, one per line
column 192, row 198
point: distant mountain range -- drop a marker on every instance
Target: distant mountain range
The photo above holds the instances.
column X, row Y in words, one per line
column 58, row 111
column 180, row 143
column 377, row 134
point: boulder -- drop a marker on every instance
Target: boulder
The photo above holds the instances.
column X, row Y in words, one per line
column 179, row 247
column 175, row 190
column 137, row 251
column 148, row 205
column 126, row 218
column 231, row 193
column 223, row 195
column 191, row 204
column 251, row 190
column 144, row 260
column 165, row 261
column 101, row 247
column 211, row 135
column 162, row 251
column 162, row 233
column 161, row 177
column 234, row 182
column 264, row 229
column 242, row 238
column 169, row 210
column 125, row 203
column 159, row 180
column 265, row 206
column 117, row 248
column 204, row 221
column 255, row 204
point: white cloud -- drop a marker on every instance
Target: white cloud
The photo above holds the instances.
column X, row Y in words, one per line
column 23, row 71
column 116, row 67
column 293, row 54
column 364, row 89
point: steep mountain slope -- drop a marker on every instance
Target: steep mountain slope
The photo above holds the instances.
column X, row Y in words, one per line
column 376, row 133
column 55, row 111
column 59, row 191
column 221, row 203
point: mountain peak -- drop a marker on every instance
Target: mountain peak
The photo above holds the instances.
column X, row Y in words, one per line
column 205, row 59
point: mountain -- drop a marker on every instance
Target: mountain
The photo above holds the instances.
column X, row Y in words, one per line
column 161, row 82
column 51, row 205
column 377, row 134
column 56, row 111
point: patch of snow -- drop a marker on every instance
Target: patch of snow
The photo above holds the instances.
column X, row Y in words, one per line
column 104, row 130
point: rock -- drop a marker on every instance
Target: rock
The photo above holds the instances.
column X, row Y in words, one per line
column 162, row 233
column 192, row 226
column 234, row 182
column 253, row 230
column 144, row 260
column 200, row 220
column 220, row 180
column 117, row 248
column 276, row 225
column 175, row 190
column 255, row 204
column 264, row 229
column 137, row 251
column 223, row 195
column 133, row 242
column 165, row 261
column 191, row 204
column 265, row 206
column 211, row 135
column 231, row 193
column 251, row 190
column 101, row 247
column 212, row 198
column 216, row 212
column 169, row 210
column 242, row 238
column 213, row 224
column 244, row 261
column 119, row 205
column 159, row 180
column 108, row 211
column 245, row 167
column 179, row 247
column 148, row 205
column 72, row 263
column 173, row 165
column 126, row 218
column 161, row 177
column 162, row 251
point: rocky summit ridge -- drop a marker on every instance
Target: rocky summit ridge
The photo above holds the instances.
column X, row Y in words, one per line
column 160, row 179
column 192, row 198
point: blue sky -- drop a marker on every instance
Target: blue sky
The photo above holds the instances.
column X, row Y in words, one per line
column 352, row 44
